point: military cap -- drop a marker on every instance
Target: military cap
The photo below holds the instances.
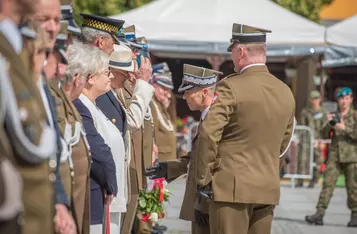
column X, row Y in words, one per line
column 197, row 77
column 130, row 37
column 61, row 39
column 67, row 15
column 344, row 92
column 244, row 34
column 162, row 76
column 142, row 40
column 315, row 94
column 160, row 68
column 27, row 32
column 104, row 24
column 121, row 58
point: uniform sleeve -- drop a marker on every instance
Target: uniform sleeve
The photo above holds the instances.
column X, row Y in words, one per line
column 351, row 129
column 285, row 144
column 211, row 131
column 142, row 96
column 176, row 168
column 61, row 197
column 101, row 153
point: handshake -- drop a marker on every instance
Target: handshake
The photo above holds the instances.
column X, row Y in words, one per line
column 157, row 171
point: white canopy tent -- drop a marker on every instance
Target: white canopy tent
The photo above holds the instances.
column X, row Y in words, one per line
column 205, row 26
column 342, row 38
column 343, row 33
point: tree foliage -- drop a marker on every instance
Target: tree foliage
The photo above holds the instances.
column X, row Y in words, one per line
column 105, row 7
column 307, row 8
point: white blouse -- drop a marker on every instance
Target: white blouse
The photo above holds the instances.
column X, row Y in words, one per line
column 113, row 138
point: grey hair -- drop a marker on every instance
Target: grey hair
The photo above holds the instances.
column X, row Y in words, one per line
column 84, row 60
column 90, row 35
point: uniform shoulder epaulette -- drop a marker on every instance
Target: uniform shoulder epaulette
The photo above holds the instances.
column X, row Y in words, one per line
column 229, row 76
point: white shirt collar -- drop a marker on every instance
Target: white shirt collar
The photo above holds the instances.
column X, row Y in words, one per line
column 12, row 34
column 251, row 65
column 204, row 113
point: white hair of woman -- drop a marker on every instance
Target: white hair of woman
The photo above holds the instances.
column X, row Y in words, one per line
column 83, row 61
column 105, row 139
column 90, row 35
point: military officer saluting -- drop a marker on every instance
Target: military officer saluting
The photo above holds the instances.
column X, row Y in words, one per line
column 165, row 135
column 245, row 131
column 198, row 86
column 343, row 155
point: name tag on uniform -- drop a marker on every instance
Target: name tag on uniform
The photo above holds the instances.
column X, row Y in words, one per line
column 318, row 115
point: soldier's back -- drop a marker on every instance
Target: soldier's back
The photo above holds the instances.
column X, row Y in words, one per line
column 249, row 150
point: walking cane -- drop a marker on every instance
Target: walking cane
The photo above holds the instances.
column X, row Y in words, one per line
column 106, row 218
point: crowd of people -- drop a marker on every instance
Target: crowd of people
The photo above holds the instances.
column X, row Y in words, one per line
column 83, row 113
column 87, row 122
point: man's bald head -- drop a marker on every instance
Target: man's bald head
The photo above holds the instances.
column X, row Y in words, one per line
column 48, row 13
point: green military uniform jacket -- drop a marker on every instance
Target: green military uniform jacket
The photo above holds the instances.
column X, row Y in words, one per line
column 315, row 120
column 343, row 143
column 38, row 194
column 165, row 135
column 244, row 137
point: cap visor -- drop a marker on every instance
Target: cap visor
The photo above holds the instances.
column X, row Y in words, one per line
column 73, row 28
column 136, row 45
column 229, row 49
column 184, row 88
column 165, row 84
column 64, row 56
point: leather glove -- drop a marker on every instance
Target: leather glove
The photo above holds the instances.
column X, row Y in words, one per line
column 204, row 193
column 201, row 218
column 157, row 171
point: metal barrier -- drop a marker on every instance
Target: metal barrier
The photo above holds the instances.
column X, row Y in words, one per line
column 303, row 140
column 188, row 137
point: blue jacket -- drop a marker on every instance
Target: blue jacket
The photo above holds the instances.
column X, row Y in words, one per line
column 103, row 175
column 113, row 110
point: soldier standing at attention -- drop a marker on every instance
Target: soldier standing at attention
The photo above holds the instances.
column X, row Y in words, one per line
column 198, row 85
column 343, row 155
column 250, row 124
column 313, row 117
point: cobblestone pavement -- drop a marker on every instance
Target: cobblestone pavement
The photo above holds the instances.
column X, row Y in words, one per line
column 289, row 215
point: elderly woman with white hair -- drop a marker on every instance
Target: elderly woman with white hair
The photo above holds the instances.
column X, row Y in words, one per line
column 105, row 140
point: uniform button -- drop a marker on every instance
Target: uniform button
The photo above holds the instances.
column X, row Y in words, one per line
column 202, row 176
column 52, row 177
column 53, row 163
column 72, row 173
column 114, row 121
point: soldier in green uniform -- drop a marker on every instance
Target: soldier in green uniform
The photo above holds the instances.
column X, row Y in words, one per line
column 343, row 156
column 313, row 117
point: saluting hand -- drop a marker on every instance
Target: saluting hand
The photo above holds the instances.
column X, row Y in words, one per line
column 145, row 70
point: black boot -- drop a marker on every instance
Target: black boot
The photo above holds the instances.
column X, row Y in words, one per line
column 158, row 229
column 316, row 219
column 299, row 184
column 353, row 222
column 311, row 184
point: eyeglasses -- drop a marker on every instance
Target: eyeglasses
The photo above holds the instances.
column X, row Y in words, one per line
column 105, row 72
